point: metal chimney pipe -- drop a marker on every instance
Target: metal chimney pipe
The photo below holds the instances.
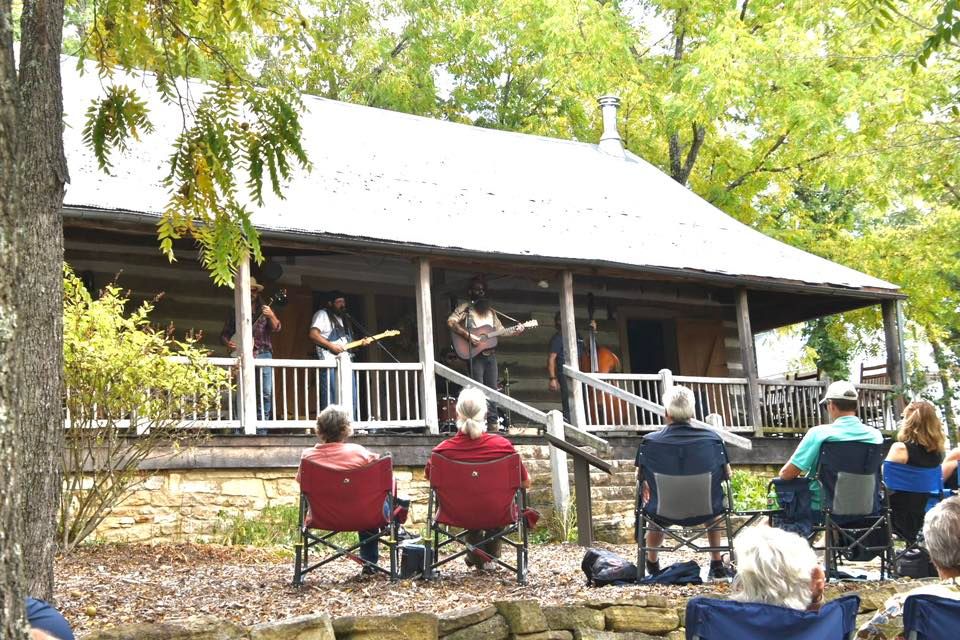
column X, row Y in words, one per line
column 610, row 141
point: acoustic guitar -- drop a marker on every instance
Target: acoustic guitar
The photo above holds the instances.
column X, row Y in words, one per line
column 488, row 338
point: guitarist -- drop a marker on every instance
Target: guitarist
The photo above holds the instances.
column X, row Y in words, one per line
column 477, row 313
column 330, row 333
column 265, row 324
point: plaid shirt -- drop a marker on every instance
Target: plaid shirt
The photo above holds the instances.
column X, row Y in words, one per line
column 262, row 332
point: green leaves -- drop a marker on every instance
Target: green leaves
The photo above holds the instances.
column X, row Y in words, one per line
column 114, row 119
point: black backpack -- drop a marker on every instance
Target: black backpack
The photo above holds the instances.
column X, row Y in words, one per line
column 604, row 567
column 679, row 573
column 915, row 563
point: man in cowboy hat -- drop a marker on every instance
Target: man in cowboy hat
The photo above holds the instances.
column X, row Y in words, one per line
column 265, row 324
column 840, row 400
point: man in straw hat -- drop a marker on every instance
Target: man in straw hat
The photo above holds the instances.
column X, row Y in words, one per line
column 840, row 401
column 265, row 324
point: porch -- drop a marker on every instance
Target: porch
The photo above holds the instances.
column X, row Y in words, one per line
column 693, row 330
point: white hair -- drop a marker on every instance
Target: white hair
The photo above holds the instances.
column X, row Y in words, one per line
column 333, row 424
column 773, row 567
column 472, row 412
column 941, row 532
column 679, row 403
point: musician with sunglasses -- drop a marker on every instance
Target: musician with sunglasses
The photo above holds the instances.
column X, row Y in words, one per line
column 478, row 313
column 265, row 324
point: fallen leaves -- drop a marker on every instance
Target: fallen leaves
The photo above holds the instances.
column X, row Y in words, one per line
column 104, row 585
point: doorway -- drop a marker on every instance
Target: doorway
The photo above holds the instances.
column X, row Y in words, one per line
column 652, row 345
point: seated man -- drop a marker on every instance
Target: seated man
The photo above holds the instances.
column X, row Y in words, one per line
column 333, row 451
column 472, row 443
column 941, row 531
column 777, row 567
column 680, row 406
column 841, row 404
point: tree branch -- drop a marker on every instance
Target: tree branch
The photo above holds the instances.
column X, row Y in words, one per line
column 759, row 166
column 743, row 10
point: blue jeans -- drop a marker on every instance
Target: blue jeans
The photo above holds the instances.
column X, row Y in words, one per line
column 264, row 392
column 369, row 547
column 329, row 377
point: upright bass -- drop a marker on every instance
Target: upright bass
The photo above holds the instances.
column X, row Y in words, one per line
column 603, row 409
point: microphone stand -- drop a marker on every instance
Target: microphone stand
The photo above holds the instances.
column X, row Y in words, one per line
column 367, row 334
column 469, row 339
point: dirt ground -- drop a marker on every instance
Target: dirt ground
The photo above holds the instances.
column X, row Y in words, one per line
column 104, row 585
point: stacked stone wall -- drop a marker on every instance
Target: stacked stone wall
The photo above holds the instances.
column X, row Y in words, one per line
column 192, row 505
column 647, row 617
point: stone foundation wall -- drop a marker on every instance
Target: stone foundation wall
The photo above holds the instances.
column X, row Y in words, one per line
column 634, row 618
column 189, row 505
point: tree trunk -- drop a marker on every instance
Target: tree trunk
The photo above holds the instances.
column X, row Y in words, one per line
column 12, row 585
column 39, row 287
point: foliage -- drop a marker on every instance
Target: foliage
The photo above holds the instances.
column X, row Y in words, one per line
column 121, row 381
column 828, row 339
column 276, row 525
column 749, row 490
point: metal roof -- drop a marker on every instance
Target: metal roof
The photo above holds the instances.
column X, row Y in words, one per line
column 385, row 177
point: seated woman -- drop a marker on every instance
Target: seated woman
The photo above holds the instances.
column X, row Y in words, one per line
column 920, row 443
column 941, row 531
column 472, row 443
column 777, row 567
column 333, row 451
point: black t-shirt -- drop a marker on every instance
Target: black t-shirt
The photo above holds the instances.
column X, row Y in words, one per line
column 917, row 456
column 556, row 346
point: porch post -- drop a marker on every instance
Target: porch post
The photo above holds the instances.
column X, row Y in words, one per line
column 425, row 341
column 747, row 354
column 558, row 465
column 568, row 326
column 893, row 335
column 244, row 321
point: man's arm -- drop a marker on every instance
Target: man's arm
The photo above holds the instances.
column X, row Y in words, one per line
column 552, row 371
column 790, row 472
column 271, row 318
column 455, row 322
column 318, row 338
column 229, row 328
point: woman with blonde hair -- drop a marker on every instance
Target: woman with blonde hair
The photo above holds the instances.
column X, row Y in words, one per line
column 920, row 441
column 472, row 443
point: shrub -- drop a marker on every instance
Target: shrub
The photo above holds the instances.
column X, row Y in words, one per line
column 127, row 398
column 749, row 490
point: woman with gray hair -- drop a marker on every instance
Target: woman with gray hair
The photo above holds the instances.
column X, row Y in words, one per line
column 333, row 451
column 941, row 532
column 777, row 567
column 472, row 443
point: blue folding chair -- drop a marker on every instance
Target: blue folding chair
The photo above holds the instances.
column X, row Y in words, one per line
column 929, row 617
column 912, row 492
column 709, row 619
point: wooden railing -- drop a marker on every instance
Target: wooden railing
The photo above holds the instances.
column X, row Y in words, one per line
column 790, row 405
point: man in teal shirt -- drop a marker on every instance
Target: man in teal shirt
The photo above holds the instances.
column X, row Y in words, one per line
column 841, row 403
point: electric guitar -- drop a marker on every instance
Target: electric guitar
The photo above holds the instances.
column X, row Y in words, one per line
column 278, row 298
column 488, row 338
column 370, row 340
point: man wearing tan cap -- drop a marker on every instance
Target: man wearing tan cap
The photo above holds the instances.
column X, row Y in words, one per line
column 841, row 404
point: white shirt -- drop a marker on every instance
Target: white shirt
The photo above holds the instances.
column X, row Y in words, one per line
column 331, row 328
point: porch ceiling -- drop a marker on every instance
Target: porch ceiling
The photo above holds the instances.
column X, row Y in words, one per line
column 391, row 181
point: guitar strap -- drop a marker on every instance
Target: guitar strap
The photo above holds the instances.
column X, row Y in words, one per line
column 500, row 313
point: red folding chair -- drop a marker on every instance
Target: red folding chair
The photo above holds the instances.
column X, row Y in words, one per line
column 477, row 496
column 334, row 501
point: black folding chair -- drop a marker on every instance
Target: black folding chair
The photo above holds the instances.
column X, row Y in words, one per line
column 856, row 513
column 688, row 489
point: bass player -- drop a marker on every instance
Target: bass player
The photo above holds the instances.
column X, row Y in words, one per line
column 478, row 313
